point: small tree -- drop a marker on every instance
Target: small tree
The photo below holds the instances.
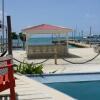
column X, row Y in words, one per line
column 14, row 35
column 23, row 39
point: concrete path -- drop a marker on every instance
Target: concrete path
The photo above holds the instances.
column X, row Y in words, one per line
column 79, row 55
column 28, row 89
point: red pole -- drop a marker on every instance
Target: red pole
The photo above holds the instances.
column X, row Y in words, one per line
column 12, row 80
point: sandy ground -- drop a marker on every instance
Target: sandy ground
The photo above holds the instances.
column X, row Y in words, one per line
column 80, row 55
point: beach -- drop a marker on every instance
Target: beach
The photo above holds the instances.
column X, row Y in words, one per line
column 79, row 55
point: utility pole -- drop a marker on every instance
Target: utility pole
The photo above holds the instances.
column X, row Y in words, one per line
column 3, row 23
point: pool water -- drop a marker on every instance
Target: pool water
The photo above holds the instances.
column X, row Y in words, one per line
column 79, row 90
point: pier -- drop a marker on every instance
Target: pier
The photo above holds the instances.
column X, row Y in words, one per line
column 79, row 44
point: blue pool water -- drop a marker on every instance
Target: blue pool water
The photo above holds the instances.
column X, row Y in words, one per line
column 82, row 86
column 79, row 90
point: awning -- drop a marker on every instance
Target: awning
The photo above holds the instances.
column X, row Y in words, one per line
column 46, row 29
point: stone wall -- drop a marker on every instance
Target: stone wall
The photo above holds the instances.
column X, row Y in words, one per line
column 46, row 51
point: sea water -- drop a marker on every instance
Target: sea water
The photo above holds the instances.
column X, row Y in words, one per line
column 46, row 41
column 37, row 41
column 43, row 40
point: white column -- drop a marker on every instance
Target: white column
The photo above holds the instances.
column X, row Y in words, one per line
column 67, row 40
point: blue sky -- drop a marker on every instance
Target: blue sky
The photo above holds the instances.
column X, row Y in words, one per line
column 67, row 13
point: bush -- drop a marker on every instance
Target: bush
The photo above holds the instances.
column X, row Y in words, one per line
column 26, row 68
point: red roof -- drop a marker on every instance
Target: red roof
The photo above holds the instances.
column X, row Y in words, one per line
column 44, row 27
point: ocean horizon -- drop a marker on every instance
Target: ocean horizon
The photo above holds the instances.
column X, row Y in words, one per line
column 38, row 40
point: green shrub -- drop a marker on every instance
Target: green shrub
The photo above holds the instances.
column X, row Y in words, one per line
column 26, row 68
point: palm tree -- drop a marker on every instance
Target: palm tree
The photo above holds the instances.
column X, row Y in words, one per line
column 23, row 38
column 14, row 35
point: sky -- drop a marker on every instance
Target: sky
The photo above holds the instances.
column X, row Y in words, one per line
column 75, row 14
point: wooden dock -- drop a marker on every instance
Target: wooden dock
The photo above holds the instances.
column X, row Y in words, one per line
column 79, row 44
column 28, row 89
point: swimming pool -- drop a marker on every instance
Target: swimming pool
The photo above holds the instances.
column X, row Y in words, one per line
column 79, row 90
column 69, row 77
column 82, row 86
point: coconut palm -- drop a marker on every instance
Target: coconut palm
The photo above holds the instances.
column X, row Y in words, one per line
column 23, row 39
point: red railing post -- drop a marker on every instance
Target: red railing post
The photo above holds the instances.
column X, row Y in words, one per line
column 11, row 79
